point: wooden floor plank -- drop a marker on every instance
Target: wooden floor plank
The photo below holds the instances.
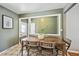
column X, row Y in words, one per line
column 73, row 53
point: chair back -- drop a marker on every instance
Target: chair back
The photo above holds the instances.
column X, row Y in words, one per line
column 33, row 44
column 47, row 44
column 20, row 39
column 68, row 43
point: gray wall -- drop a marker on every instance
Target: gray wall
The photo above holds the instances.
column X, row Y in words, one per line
column 55, row 11
column 72, row 27
column 8, row 37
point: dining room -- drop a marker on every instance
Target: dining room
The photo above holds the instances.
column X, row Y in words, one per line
column 42, row 32
column 43, row 29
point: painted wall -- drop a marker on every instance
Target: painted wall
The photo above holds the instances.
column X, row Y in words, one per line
column 54, row 11
column 8, row 37
column 72, row 27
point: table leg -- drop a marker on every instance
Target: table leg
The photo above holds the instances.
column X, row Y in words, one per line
column 64, row 50
column 22, row 49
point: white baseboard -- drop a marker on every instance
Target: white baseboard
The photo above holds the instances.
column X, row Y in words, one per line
column 73, row 51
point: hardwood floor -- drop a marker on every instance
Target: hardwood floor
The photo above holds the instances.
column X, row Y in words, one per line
column 15, row 51
column 73, row 54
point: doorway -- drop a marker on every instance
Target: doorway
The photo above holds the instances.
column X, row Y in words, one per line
column 23, row 27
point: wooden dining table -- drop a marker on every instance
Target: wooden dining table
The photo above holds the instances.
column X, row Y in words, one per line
column 58, row 43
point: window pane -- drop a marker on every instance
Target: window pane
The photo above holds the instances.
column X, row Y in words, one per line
column 23, row 28
column 32, row 28
column 46, row 25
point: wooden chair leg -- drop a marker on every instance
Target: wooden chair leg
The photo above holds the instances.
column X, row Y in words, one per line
column 28, row 50
column 56, row 52
column 66, row 53
column 40, row 50
column 52, row 51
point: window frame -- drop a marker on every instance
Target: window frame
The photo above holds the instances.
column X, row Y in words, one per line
column 59, row 23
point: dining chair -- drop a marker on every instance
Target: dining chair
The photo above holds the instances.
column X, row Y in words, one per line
column 67, row 45
column 48, row 46
column 23, row 43
column 33, row 45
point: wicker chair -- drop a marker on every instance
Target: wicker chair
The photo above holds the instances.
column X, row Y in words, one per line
column 67, row 45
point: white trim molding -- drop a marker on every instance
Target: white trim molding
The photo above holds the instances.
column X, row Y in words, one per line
column 58, row 18
column 73, row 51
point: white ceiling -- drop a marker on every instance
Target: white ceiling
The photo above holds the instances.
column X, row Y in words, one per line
column 21, row 8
